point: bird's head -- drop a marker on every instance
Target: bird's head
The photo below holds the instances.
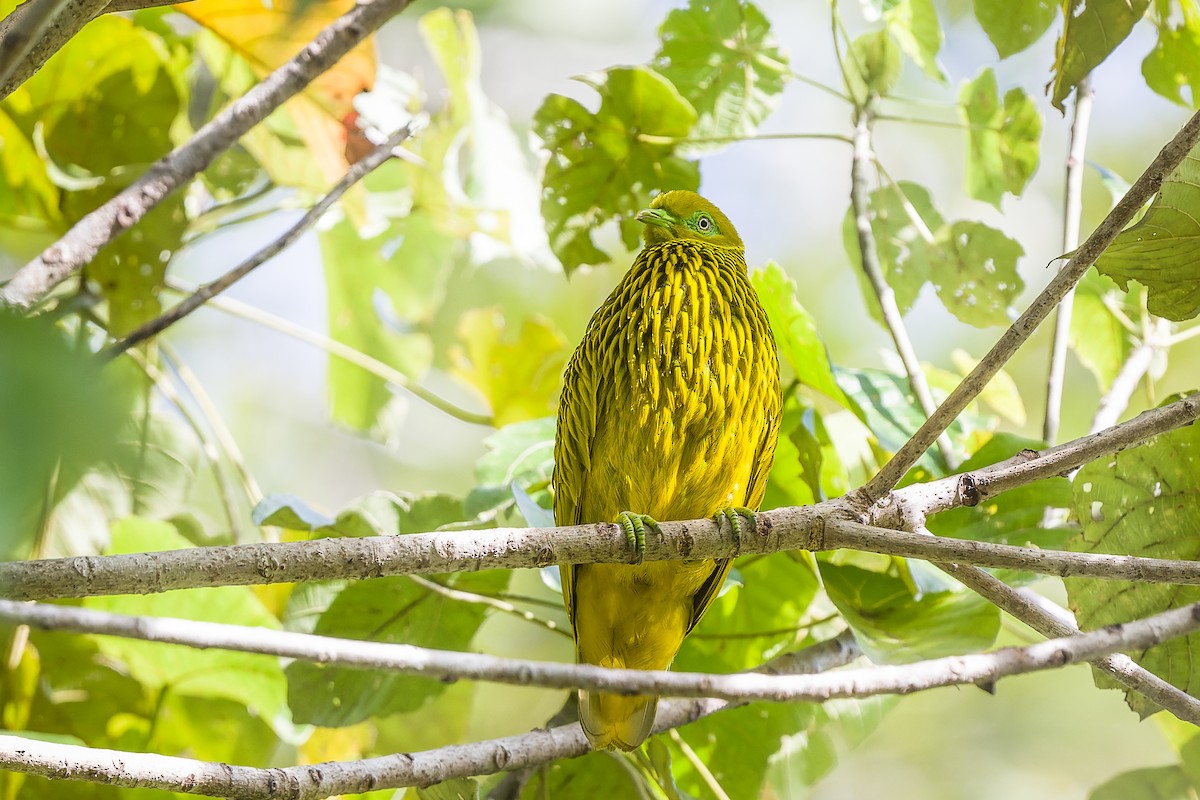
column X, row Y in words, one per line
column 682, row 215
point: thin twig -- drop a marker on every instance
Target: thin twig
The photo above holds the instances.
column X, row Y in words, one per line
column 1137, row 364
column 83, row 241
column 1142, row 190
column 220, row 430
column 458, row 595
column 376, row 158
column 1072, row 213
column 339, row 350
column 889, row 310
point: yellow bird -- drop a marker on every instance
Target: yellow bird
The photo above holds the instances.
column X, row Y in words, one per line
column 670, row 411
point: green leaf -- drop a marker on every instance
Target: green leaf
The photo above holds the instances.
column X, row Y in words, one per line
column 811, row 752
column 807, row 467
column 598, row 170
column 518, row 372
column 457, row 789
column 104, row 108
column 1014, row 25
column 1028, row 516
column 599, row 774
column 883, row 401
column 1162, row 251
column 61, row 413
column 1174, row 63
column 253, row 680
column 795, row 331
column 1150, row 783
column 975, row 273
column 520, row 453
column 903, row 219
column 1098, row 339
column 1002, row 150
column 753, row 622
column 1091, row 30
column 872, row 66
column 895, row 626
column 29, row 192
column 722, row 58
column 1142, row 502
column 915, row 27
column 386, row 610
column 381, row 293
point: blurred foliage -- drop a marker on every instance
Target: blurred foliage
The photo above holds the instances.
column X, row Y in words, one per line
column 423, row 264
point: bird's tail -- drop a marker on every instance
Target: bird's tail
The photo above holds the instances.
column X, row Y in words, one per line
column 614, row 720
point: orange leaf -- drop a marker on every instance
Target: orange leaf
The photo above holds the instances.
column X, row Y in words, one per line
column 267, row 33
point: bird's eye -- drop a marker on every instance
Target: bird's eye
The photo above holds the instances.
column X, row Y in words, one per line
column 704, row 223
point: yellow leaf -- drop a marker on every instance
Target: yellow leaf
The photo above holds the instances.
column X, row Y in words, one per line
column 267, row 34
column 518, row 374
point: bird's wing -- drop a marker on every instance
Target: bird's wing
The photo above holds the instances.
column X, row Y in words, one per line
column 577, row 415
column 756, row 486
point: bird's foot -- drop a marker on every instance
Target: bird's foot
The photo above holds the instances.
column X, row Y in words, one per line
column 635, row 531
column 735, row 515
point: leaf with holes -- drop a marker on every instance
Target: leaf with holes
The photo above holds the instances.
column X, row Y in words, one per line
column 1144, row 501
column 603, row 165
column 1014, row 25
column 975, row 273
column 1092, row 29
column 722, row 58
column 1002, row 151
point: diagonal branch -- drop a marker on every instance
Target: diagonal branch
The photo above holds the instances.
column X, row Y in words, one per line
column 372, row 161
column 85, row 239
column 36, row 30
column 822, row 526
column 323, row 780
column 1035, row 614
column 1142, row 190
column 893, row 320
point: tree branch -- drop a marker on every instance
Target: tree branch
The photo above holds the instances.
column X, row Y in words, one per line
column 810, row 527
column 85, row 239
column 36, row 30
column 1142, row 190
column 1072, row 213
column 359, row 170
column 1033, row 612
column 904, row 508
column 396, row 771
column 893, row 319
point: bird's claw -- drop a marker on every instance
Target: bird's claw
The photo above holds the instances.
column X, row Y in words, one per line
column 735, row 515
column 635, row 531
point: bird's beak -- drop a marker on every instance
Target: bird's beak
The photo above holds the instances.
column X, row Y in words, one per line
column 655, row 216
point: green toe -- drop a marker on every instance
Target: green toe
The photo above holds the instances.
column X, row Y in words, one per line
column 635, row 531
column 735, row 515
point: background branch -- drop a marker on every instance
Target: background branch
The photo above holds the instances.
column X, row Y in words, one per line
column 1034, row 614
column 1142, row 190
column 893, row 319
column 359, row 170
column 1116, row 399
column 85, row 239
column 1072, row 213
